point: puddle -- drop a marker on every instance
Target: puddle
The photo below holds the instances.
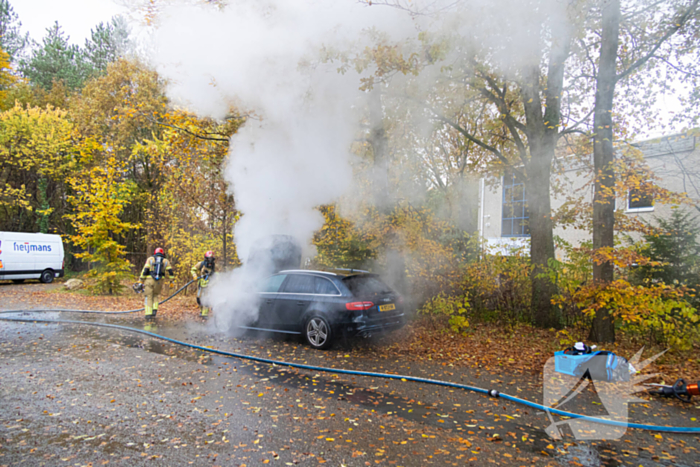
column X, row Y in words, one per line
column 581, row 454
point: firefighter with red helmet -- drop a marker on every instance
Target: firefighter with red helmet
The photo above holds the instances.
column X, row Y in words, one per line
column 203, row 271
column 153, row 275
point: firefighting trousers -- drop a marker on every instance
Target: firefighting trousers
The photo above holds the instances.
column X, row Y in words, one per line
column 201, row 286
column 152, row 289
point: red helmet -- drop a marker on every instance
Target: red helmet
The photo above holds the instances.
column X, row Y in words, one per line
column 159, row 251
column 209, row 254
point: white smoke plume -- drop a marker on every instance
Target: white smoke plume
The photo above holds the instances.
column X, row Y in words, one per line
column 264, row 56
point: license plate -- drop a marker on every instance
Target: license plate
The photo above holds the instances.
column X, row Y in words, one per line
column 388, row 307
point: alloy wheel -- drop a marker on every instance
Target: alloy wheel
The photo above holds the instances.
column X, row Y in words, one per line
column 317, row 332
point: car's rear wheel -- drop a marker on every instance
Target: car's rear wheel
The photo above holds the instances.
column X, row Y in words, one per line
column 47, row 276
column 318, row 332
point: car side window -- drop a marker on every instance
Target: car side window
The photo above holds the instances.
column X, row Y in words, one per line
column 299, row 283
column 273, row 283
column 324, row 287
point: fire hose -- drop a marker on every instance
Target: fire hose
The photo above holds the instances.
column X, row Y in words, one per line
column 98, row 312
column 489, row 392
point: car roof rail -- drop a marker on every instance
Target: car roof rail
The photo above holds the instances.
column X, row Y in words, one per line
column 349, row 270
column 329, row 271
column 308, row 271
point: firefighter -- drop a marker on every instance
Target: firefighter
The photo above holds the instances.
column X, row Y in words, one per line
column 203, row 270
column 153, row 276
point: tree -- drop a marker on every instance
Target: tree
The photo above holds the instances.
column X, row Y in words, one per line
column 12, row 41
column 121, row 109
column 6, row 76
column 674, row 251
column 523, row 104
column 615, row 65
column 55, row 60
column 603, row 328
column 37, row 151
column 339, row 244
column 99, row 197
column 108, row 42
column 28, row 95
column 174, row 159
column 190, row 154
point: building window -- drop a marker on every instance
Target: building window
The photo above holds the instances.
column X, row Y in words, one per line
column 514, row 221
column 638, row 201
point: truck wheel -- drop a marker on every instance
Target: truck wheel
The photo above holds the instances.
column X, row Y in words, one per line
column 18, row 281
column 47, row 276
column 318, row 332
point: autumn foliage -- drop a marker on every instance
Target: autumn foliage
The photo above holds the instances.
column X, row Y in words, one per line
column 118, row 169
column 99, row 197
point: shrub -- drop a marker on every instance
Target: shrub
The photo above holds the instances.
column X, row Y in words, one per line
column 569, row 277
column 658, row 311
column 674, row 253
column 454, row 307
column 652, row 309
column 499, row 287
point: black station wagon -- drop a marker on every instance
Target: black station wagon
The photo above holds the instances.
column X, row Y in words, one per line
column 323, row 306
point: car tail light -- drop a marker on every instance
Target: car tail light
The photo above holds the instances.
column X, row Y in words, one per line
column 355, row 306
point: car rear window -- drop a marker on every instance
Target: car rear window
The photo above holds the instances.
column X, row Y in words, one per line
column 324, row 287
column 366, row 285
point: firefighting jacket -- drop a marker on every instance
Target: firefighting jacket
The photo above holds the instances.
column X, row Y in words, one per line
column 202, row 269
column 156, row 267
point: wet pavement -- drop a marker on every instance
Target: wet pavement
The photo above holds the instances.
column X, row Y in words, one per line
column 78, row 395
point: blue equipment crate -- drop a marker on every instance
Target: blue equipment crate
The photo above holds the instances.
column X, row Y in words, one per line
column 567, row 364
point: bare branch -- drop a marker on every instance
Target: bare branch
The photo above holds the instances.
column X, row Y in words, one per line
column 239, row 117
column 685, row 72
column 497, row 97
column 465, row 133
column 569, row 131
column 678, row 24
column 192, row 133
column 431, row 8
column 643, row 10
column 589, row 58
column 572, row 127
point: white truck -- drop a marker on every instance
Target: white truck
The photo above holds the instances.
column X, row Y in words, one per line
column 30, row 256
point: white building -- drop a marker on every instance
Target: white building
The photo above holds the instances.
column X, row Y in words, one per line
column 503, row 212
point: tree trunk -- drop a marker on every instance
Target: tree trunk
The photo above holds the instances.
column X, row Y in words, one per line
column 603, row 328
column 542, row 135
column 42, row 198
column 541, row 236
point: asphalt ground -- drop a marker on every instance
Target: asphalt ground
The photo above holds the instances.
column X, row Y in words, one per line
column 82, row 395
